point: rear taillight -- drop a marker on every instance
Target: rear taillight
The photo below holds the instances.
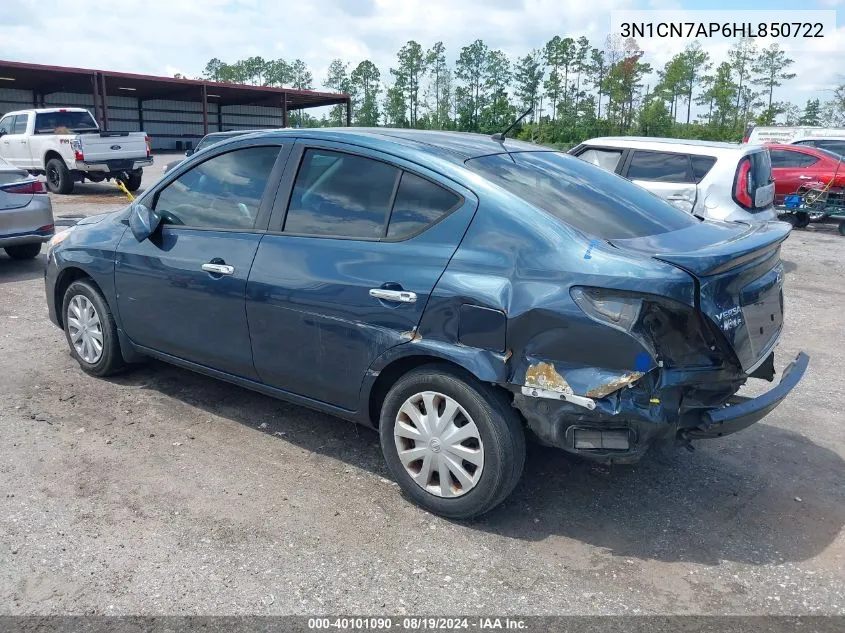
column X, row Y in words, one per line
column 149, row 142
column 33, row 186
column 742, row 184
column 76, row 146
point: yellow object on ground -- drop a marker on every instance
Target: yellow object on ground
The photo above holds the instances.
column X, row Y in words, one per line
column 123, row 188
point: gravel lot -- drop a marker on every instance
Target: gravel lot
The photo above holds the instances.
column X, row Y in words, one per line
column 165, row 492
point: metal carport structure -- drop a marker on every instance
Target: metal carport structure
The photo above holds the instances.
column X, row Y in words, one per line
column 168, row 108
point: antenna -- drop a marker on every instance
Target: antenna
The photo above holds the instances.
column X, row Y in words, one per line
column 500, row 136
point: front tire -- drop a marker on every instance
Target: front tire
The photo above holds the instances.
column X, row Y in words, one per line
column 454, row 445
column 23, row 251
column 90, row 330
column 59, row 178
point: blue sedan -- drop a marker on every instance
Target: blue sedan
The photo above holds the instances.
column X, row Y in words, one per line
column 457, row 292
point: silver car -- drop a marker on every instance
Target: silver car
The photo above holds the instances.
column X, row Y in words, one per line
column 26, row 213
column 716, row 181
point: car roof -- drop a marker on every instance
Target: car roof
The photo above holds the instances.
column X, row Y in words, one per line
column 230, row 133
column 455, row 146
column 656, row 143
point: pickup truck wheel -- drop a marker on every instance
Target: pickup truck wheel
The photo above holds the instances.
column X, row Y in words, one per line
column 133, row 183
column 23, row 251
column 454, row 445
column 59, row 179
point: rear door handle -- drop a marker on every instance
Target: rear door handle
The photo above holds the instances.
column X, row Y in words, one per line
column 683, row 198
column 397, row 296
column 219, row 269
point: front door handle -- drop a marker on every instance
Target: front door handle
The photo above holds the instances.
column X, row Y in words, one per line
column 397, row 296
column 219, row 269
column 805, row 177
column 678, row 198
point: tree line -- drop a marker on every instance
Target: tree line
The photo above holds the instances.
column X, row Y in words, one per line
column 575, row 90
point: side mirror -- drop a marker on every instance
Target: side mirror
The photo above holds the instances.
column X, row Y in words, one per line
column 143, row 221
column 189, row 152
column 2, row 132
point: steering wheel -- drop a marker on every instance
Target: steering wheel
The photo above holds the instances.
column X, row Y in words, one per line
column 169, row 217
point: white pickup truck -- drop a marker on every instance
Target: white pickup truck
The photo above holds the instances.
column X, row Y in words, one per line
column 67, row 146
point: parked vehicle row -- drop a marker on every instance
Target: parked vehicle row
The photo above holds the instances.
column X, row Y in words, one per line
column 453, row 291
column 67, row 146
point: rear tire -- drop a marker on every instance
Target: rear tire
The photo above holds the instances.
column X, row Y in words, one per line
column 85, row 312
column 23, row 251
column 802, row 220
column 59, row 178
column 133, row 183
column 480, row 471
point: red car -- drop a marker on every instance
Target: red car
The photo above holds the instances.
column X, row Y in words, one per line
column 796, row 167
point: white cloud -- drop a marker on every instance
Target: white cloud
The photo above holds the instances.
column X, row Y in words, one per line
column 161, row 36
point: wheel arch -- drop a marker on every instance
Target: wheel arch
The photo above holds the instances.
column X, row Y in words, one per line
column 66, row 277
column 50, row 154
column 482, row 365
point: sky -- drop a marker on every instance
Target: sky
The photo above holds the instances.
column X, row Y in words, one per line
column 164, row 37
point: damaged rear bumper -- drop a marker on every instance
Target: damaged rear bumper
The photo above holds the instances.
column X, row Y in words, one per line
column 742, row 412
column 661, row 407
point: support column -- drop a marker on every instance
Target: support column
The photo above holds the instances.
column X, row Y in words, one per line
column 204, row 110
column 105, row 98
column 95, row 83
column 349, row 112
column 219, row 117
column 141, row 114
column 285, row 110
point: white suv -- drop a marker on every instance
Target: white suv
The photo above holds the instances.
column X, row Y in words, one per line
column 717, row 181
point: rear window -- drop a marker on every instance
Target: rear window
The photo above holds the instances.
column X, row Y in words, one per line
column 64, row 122
column 761, row 168
column 582, row 195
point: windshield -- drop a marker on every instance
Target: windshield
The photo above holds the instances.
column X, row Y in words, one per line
column 585, row 196
column 64, row 123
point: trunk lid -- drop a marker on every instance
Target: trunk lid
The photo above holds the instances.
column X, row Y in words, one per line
column 739, row 274
column 107, row 146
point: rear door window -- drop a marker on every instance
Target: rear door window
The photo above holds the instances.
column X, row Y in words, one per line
column 605, row 158
column 660, row 167
column 341, row 195
column 20, row 124
column 419, row 204
column 589, row 198
column 701, row 165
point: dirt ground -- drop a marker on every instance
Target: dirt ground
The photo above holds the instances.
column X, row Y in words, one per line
column 165, row 492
